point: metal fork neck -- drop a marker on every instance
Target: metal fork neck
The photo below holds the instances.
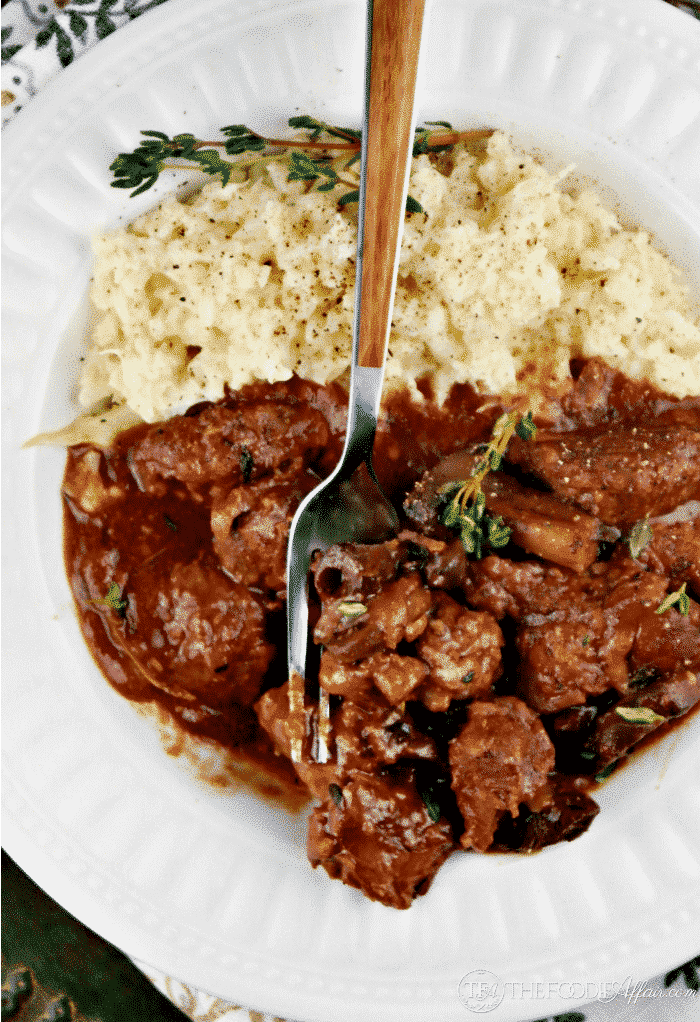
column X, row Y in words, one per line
column 363, row 408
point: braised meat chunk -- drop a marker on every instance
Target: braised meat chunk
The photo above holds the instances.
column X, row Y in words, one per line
column 364, row 737
column 500, row 759
column 568, row 815
column 376, row 835
column 200, row 637
column 250, row 528
column 674, row 550
column 220, row 443
column 621, row 728
column 540, row 523
column 617, row 472
column 462, row 648
column 516, row 588
column 351, row 630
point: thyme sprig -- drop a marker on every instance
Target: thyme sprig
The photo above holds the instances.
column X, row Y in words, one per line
column 465, row 507
column 314, row 157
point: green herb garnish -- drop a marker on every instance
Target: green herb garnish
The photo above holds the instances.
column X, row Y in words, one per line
column 640, row 537
column 643, row 676
column 465, row 501
column 639, row 715
column 429, row 796
column 336, row 793
column 322, row 158
column 603, row 774
column 348, row 609
column 526, row 428
column 247, row 463
column 114, row 600
column 680, row 597
column 468, row 678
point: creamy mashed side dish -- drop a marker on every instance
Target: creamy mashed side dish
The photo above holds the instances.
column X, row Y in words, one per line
column 503, row 280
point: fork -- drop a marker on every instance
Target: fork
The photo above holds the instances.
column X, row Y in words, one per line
column 349, row 506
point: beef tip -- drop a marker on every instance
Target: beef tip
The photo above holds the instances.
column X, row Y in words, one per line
column 395, row 676
column 541, row 523
column 197, row 634
column 353, row 569
column 516, row 588
column 250, row 529
column 544, row 524
column 582, row 648
column 376, row 835
column 393, row 736
column 667, row 641
column 674, row 551
column 351, row 631
column 363, row 737
column 560, row 662
column 617, row 730
column 499, row 760
column 351, row 681
column 277, row 721
column 463, row 651
column 569, row 815
column 237, row 445
column 375, row 734
column 616, row 472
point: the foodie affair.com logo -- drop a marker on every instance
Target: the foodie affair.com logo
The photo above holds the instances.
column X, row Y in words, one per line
column 481, row 991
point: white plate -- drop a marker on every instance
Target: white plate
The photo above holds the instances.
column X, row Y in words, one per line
column 216, row 889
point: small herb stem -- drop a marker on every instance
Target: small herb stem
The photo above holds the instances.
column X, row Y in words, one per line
column 503, row 429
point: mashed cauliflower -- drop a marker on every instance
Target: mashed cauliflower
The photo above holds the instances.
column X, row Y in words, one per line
column 502, row 280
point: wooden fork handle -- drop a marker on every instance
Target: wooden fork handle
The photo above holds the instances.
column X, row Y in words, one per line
column 396, row 27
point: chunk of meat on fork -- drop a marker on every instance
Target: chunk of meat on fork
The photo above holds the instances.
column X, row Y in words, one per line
column 351, row 630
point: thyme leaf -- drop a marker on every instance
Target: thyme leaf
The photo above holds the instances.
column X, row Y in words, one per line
column 526, row 428
column 639, row 715
column 640, row 536
column 247, row 464
column 114, row 600
column 603, row 774
column 351, row 609
column 680, row 597
column 428, row 789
